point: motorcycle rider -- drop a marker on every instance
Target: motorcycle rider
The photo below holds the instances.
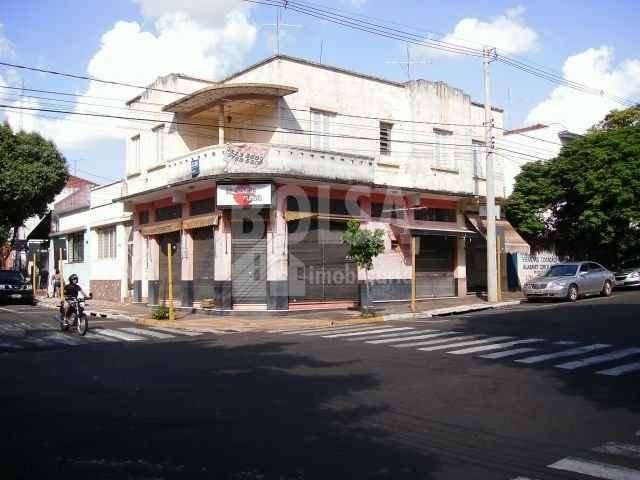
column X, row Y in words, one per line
column 71, row 291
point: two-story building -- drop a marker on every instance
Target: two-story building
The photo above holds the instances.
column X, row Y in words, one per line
column 249, row 181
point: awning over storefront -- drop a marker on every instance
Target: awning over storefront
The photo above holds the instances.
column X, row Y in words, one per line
column 291, row 216
column 209, row 96
column 200, row 221
column 161, row 227
column 42, row 230
column 513, row 242
column 67, row 231
column 425, row 227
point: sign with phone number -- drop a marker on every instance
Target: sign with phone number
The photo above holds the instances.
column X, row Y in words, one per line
column 250, row 154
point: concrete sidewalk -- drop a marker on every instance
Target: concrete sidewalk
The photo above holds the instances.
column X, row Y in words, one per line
column 265, row 322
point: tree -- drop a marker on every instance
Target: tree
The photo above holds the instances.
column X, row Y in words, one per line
column 586, row 201
column 364, row 245
column 615, row 119
column 32, row 172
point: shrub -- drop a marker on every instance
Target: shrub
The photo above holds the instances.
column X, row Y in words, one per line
column 160, row 313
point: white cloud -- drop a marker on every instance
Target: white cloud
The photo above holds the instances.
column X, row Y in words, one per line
column 593, row 67
column 129, row 54
column 6, row 47
column 507, row 32
column 209, row 12
column 354, row 3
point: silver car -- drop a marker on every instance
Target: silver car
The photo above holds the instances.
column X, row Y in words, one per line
column 571, row 280
column 629, row 274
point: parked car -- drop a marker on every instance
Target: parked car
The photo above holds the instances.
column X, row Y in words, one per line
column 570, row 281
column 628, row 275
column 14, row 287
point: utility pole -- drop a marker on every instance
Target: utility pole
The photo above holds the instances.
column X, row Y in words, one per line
column 492, row 261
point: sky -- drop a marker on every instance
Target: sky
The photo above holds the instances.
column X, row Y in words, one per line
column 134, row 41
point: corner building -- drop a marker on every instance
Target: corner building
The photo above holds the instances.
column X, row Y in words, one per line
column 249, row 181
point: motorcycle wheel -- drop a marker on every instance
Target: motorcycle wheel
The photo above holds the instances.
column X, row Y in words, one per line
column 82, row 324
column 63, row 327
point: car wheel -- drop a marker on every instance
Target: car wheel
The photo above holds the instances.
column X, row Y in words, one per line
column 607, row 289
column 572, row 294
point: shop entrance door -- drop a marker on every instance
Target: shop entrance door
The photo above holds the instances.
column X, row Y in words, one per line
column 176, row 267
column 249, row 258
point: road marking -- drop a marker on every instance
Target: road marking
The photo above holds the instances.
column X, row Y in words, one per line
column 99, row 338
column 598, row 359
column 177, row 331
column 622, row 449
column 507, row 353
column 622, row 369
column 151, row 333
column 41, row 342
column 7, row 310
column 596, row 469
column 10, row 345
column 389, row 335
column 127, row 337
column 463, row 344
column 419, row 337
column 495, row 346
column 565, row 342
column 319, row 329
column 58, row 337
column 380, row 330
column 435, row 342
column 565, row 353
column 350, row 329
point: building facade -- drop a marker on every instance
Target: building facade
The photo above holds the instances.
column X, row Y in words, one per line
column 246, row 185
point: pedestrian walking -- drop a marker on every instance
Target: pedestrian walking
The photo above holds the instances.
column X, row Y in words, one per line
column 56, row 281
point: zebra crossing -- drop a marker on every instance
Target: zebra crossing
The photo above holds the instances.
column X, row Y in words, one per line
column 14, row 338
column 567, row 356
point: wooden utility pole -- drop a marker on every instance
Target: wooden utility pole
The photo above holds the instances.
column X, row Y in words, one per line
column 33, row 275
column 61, row 276
column 172, row 313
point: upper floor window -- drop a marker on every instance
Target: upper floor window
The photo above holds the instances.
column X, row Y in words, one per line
column 158, row 139
column 479, row 154
column 107, row 242
column 385, row 138
column 143, row 217
column 200, row 207
column 435, row 214
column 322, row 128
column 136, row 154
column 443, row 152
column 168, row 213
column 75, row 247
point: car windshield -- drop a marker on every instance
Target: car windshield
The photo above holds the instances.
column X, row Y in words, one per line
column 561, row 271
column 631, row 264
column 11, row 276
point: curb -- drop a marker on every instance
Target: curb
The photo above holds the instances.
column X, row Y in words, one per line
column 92, row 313
column 441, row 312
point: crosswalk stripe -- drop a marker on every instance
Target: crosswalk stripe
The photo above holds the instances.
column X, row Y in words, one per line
column 463, row 344
column 622, row 369
column 434, row 342
column 320, row 329
column 99, row 338
column 390, row 335
column 596, row 469
column 41, row 342
column 150, row 333
column 353, row 334
column 351, row 329
column 177, row 331
column 127, row 337
column 507, row 353
column 565, row 342
column 58, row 337
column 565, row 353
column 623, row 449
column 599, row 359
column 494, row 346
column 416, row 337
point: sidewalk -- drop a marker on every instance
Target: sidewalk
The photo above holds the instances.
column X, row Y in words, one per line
column 255, row 322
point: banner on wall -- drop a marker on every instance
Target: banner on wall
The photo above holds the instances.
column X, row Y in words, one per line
column 244, row 195
column 530, row 266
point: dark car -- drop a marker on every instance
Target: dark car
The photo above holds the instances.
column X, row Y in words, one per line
column 14, row 287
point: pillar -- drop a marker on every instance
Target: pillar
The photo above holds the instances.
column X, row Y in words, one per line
column 222, row 269
column 277, row 265
column 460, row 272
column 153, row 270
column 186, row 265
column 137, row 264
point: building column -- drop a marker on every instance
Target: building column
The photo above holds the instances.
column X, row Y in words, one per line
column 137, row 273
column 460, row 272
column 222, row 269
column 277, row 254
column 186, row 255
column 153, row 271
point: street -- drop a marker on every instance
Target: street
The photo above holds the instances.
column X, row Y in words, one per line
column 532, row 391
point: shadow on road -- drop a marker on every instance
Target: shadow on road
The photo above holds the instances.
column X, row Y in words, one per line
column 192, row 410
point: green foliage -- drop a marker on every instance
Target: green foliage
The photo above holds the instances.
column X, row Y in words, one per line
column 32, row 172
column 615, row 119
column 160, row 313
column 4, row 233
column 586, row 201
column 364, row 245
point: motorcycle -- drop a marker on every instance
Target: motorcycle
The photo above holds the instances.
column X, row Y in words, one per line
column 75, row 315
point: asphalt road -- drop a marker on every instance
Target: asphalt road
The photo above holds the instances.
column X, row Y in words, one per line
column 329, row 404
